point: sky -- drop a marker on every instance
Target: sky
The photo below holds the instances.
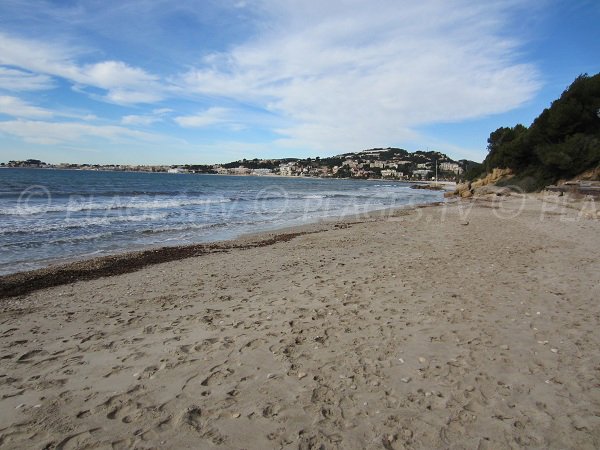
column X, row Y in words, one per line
column 209, row 81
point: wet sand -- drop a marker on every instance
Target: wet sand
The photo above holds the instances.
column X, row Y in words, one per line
column 471, row 325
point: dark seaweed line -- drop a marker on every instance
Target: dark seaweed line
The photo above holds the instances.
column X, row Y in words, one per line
column 26, row 282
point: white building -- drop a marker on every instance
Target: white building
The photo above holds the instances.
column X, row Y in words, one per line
column 424, row 173
column 390, row 174
column 261, row 172
column 287, row 170
column 451, row 167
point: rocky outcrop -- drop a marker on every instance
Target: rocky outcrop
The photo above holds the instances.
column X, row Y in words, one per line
column 483, row 186
column 492, row 178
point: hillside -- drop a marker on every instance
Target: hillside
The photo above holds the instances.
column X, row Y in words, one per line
column 390, row 163
column 561, row 143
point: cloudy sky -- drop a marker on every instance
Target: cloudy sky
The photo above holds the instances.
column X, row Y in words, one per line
column 204, row 81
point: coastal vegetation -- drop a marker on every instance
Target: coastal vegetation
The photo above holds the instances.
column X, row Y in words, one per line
column 561, row 143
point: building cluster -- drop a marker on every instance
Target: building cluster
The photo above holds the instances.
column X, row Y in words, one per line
column 382, row 163
column 241, row 170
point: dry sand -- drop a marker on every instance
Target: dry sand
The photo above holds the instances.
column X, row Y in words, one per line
column 442, row 327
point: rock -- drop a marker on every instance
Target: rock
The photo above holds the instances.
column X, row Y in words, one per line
column 491, row 178
column 462, row 187
column 491, row 189
column 466, row 194
column 459, row 190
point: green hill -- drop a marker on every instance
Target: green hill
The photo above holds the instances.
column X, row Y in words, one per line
column 561, row 143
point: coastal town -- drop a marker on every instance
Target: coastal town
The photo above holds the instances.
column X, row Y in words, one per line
column 377, row 163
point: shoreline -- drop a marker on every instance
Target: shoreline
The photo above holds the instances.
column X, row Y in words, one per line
column 24, row 282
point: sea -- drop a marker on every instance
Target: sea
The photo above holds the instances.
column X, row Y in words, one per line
column 50, row 216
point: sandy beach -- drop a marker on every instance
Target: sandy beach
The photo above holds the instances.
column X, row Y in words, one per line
column 469, row 325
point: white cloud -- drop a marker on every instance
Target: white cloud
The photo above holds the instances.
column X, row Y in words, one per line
column 139, row 120
column 349, row 75
column 156, row 115
column 18, row 108
column 18, row 80
column 162, row 111
column 49, row 133
column 15, row 107
column 124, row 84
column 211, row 116
column 114, row 74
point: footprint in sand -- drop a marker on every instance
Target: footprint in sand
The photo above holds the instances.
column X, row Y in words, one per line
column 27, row 357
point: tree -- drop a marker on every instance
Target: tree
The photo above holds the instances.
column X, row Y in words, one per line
column 563, row 141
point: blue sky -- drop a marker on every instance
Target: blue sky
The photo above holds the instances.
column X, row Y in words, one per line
column 162, row 82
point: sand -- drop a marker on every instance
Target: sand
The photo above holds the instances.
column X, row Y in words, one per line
column 470, row 325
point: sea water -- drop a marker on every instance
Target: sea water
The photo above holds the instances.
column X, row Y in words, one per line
column 49, row 216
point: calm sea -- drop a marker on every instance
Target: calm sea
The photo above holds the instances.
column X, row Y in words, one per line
column 50, row 216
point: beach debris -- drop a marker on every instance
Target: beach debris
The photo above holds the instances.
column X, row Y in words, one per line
column 236, row 415
column 504, row 347
column 301, row 375
column 20, row 405
column 401, row 360
column 422, row 360
column 554, row 350
column 542, row 342
column 270, row 375
column 406, row 379
column 465, row 222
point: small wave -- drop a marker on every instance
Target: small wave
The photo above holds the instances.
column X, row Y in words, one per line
column 183, row 227
column 70, row 223
column 314, row 196
column 58, row 241
column 79, row 207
